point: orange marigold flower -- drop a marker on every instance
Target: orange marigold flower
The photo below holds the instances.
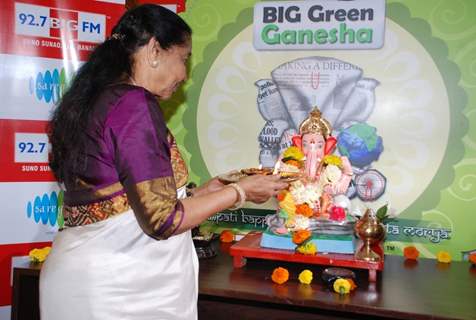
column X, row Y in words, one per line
column 443, row 257
column 281, row 196
column 301, row 236
column 304, row 210
column 227, row 236
column 352, row 284
column 411, row 253
column 472, row 258
column 280, row 275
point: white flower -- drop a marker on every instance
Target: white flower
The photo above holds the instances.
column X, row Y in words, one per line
column 300, row 223
column 332, row 174
column 309, row 193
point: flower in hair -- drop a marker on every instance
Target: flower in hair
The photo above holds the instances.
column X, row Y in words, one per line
column 117, row 36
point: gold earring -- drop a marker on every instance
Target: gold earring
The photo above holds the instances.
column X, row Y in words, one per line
column 155, row 63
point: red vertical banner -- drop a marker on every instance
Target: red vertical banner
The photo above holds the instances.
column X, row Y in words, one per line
column 42, row 44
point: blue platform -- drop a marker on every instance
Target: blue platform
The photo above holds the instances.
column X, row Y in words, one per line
column 324, row 243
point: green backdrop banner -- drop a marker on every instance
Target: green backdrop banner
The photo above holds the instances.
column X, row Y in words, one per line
column 418, row 91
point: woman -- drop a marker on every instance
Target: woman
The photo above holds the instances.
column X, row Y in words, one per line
column 126, row 251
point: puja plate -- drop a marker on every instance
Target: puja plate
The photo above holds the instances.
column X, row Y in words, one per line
column 234, row 176
column 260, row 171
column 290, row 176
column 231, row 177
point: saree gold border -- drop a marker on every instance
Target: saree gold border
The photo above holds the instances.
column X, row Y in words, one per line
column 158, row 199
column 96, row 211
column 107, row 191
column 179, row 167
column 176, row 221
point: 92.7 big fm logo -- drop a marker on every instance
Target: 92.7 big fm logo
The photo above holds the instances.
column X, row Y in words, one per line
column 25, row 151
column 47, row 22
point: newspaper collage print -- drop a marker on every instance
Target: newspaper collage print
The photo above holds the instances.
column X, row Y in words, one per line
column 346, row 99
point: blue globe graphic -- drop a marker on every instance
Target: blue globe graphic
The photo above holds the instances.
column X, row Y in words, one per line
column 360, row 143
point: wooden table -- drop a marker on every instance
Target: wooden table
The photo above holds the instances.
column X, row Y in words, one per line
column 404, row 290
column 25, row 296
column 421, row 289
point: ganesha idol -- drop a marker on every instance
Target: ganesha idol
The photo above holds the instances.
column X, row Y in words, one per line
column 315, row 201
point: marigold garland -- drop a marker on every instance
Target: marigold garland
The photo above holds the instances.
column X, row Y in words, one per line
column 281, row 195
column 411, row 253
column 305, row 210
column 280, row 275
column 300, row 236
column 293, row 152
column 443, row 257
column 332, row 159
column 287, row 204
column 227, row 236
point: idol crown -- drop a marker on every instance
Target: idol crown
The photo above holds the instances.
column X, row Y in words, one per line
column 316, row 124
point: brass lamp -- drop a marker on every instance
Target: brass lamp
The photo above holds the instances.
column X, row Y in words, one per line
column 371, row 231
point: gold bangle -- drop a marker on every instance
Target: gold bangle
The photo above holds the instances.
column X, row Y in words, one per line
column 241, row 196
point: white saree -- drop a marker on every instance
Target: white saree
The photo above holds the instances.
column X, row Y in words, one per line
column 112, row 270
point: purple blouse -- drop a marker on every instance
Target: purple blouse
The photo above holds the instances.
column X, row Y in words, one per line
column 129, row 164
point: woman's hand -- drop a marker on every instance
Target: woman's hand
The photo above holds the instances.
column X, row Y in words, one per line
column 210, row 186
column 259, row 188
column 214, row 184
column 205, row 203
